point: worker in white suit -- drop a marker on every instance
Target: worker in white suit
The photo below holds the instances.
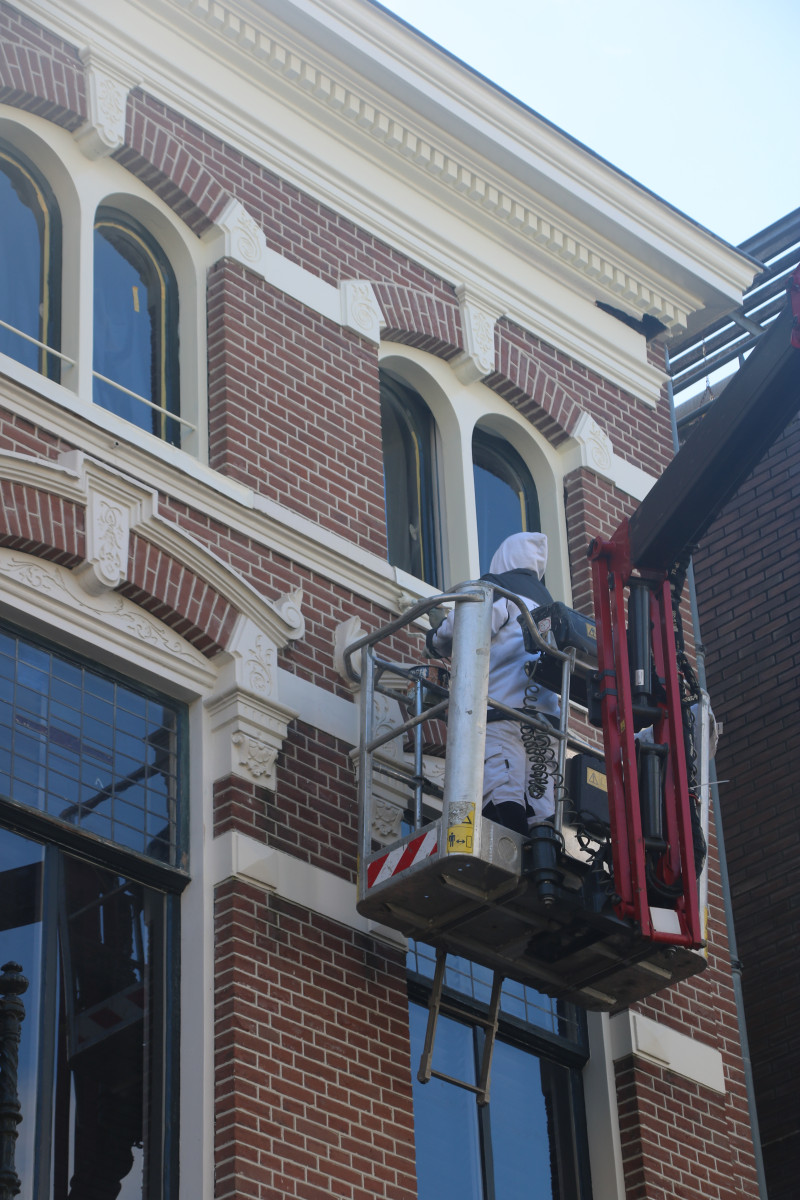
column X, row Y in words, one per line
column 518, row 566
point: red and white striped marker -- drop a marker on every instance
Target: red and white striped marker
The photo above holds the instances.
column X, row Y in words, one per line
column 403, row 857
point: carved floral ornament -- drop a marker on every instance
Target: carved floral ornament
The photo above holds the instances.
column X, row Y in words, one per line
column 255, row 756
column 245, row 240
column 107, row 90
column 596, row 448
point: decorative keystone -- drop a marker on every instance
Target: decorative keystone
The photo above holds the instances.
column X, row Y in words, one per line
column 107, row 90
column 245, row 240
column 111, row 512
column 361, row 311
column 477, row 326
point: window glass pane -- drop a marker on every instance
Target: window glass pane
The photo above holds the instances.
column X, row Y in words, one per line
column 92, row 751
column 21, row 904
column 522, row 1149
column 88, row 941
column 409, row 481
column 29, row 251
column 445, row 1117
column 516, row 1000
column 505, row 494
column 135, row 326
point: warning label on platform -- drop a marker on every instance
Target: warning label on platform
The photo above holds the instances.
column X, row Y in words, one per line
column 596, row 779
column 460, row 838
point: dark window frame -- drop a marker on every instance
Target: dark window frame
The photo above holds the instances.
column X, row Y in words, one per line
column 48, row 220
column 417, row 431
column 551, row 1049
column 164, row 885
column 134, row 243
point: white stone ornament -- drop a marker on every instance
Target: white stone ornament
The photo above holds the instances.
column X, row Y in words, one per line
column 107, row 90
column 477, row 326
column 361, row 311
column 112, row 510
column 248, row 724
column 343, row 635
column 289, row 609
column 245, row 240
column 597, row 451
column 256, row 757
column 387, row 819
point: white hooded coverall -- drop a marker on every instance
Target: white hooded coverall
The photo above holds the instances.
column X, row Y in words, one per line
column 506, row 767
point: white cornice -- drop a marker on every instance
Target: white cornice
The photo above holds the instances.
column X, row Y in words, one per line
column 429, row 125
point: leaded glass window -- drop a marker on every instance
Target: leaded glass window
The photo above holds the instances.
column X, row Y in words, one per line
column 90, row 871
column 88, row 749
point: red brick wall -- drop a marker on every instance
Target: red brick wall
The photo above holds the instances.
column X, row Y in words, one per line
column 748, row 582
column 678, row 1139
column 293, row 406
column 313, row 1075
column 39, row 72
column 39, row 523
column 312, row 814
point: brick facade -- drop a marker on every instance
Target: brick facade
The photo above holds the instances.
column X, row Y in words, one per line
column 748, row 581
column 312, row 1072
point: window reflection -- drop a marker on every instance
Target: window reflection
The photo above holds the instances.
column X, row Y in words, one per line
column 528, row 1141
column 89, row 941
column 30, row 250
column 407, row 430
column 505, row 494
column 445, row 1117
column 135, row 326
column 88, row 749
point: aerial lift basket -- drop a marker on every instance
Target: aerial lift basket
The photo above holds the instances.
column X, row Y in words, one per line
column 549, row 910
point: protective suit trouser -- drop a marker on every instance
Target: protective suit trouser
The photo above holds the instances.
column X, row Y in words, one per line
column 506, row 771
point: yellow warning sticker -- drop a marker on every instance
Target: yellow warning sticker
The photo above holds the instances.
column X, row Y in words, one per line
column 460, row 838
column 591, row 631
column 596, row 779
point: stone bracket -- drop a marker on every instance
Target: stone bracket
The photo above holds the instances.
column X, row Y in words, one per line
column 248, row 723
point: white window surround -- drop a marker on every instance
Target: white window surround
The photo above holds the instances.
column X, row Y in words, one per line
column 80, row 186
column 457, row 408
column 35, row 597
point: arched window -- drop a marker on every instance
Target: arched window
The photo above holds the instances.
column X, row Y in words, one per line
column 135, row 327
column 505, row 494
column 30, row 266
column 409, row 480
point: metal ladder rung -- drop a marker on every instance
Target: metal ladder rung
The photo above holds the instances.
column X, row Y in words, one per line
column 475, row 1018
column 436, row 1005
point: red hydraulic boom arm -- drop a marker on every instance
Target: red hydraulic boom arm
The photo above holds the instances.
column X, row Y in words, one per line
column 641, row 568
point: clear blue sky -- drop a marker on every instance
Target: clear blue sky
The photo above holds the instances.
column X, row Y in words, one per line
column 696, row 99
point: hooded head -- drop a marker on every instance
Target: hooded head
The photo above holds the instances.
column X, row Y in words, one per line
column 521, row 551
